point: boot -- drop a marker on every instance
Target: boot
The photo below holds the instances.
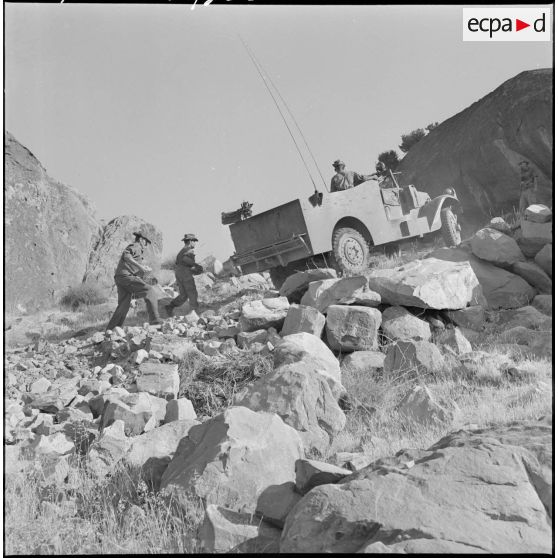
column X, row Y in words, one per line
column 156, row 321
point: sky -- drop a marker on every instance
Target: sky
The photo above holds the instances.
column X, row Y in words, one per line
column 157, row 110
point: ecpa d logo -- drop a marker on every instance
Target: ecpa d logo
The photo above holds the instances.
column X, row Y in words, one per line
column 507, row 24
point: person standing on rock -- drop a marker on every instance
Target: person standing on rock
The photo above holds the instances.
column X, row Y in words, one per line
column 186, row 268
column 528, row 187
column 129, row 281
column 346, row 179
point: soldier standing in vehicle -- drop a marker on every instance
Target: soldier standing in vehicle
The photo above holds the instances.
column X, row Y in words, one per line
column 528, row 187
column 346, row 179
column 128, row 278
column 186, row 268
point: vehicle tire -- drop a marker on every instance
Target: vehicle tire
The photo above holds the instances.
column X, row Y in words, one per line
column 350, row 251
column 451, row 231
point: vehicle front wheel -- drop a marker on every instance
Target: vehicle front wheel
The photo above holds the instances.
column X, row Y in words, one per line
column 350, row 251
column 451, row 230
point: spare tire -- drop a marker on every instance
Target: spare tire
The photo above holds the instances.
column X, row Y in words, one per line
column 350, row 251
column 451, row 231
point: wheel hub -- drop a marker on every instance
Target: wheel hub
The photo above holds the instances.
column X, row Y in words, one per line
column 353, row 252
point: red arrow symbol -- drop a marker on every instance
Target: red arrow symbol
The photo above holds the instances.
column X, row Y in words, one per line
column 519, row 25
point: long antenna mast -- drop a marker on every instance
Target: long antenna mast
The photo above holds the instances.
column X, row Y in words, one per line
column 280, row 111
column 292, row 116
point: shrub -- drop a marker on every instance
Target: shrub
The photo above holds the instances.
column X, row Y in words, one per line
column 389, row 158
column 84, row 294
column 410, row 139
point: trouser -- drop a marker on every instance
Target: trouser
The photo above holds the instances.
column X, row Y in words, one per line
column 128, row 285
column 186, row 292
column 528, row 197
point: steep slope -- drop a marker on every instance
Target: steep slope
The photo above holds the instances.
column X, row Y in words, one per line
column 49, row 229
column 478, row 150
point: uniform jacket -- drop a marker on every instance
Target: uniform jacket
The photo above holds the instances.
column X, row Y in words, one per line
column 346, row 179
column 186, row 265
column 130, row 261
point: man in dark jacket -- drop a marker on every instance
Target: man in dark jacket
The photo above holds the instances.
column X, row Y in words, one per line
column 186, row 268
column 129, row 281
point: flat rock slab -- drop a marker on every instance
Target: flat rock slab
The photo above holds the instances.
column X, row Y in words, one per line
column 352, row 328
column 265, row 313
column 322, row 294
column 485, row 490
column 161, row 380
column 428, row 283
column 399, row 323
column 296, row 285
column 311, row 473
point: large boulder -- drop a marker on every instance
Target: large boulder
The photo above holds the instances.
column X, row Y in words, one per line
column 115, row 236
column 484, row 491
column 302, row 398
column 296, row 284
column 313, row 353
column 399, row 323
column 508, row 125
column 534, row 275
column 406, row 356
column 536, row 232
column 352, row 328
column 325, row 293
column 49, row 229
column 496, row 247
column 500, row 288
column 544, row 258
column 428, row 283
column 538, row 213
column 231, row 459
column 538, row 344
column 543, row 303
column 527, row 316
column 261, row 314
column 303, row 319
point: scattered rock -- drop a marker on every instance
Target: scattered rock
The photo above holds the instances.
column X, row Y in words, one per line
column 428, row 283
column 261, row 314
column 404, row 356
column 498, row 224
column 226, row 531
column 53, row 445
column 310, row 473
column 107, row 452
column 296, row 285
column 472, row 317
column 534, row 275
column 246, row 339
column 259, row 451
column 419, row 407
column 179, row 409
column 543, row 259
column 140, row 412
column 496, row 247
column 40, row 386
column 455, row 340
column 363, row 361
column 399, row 323
column 538, row 213
column 352, row 328
column 303, row 319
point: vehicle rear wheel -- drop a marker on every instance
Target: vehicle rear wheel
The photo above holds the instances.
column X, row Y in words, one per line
column 451, row 231
column 350, row 251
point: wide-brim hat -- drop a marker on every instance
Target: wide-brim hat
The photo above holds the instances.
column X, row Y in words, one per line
column 190, row 236
column 338, row 163
column 141, row 235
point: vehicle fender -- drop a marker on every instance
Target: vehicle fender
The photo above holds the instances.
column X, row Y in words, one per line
column 433, row 209
column 356, row 224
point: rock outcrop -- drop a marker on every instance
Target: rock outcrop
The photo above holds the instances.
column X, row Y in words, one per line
column 478, row 151
column 49, row 229
column 115, row 236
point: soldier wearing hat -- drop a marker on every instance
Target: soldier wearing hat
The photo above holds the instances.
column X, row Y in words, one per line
column 186, row 268
column 345, row 179
column 129, row 281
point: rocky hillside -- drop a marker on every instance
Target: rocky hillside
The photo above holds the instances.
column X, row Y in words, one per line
column 53, row 239
column 49, row 230
column 115, row 236
column 478, row 150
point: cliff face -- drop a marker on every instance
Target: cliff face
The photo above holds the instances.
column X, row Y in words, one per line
column 115, row 236
column 477, row 151
column 49, row 229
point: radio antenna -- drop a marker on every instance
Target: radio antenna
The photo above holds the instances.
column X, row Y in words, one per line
column 280, row 111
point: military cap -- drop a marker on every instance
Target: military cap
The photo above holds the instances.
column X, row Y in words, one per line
column 141, row 235
column 190, row 236
column 338, row 163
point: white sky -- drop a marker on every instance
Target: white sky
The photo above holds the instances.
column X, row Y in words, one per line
column 157, row 111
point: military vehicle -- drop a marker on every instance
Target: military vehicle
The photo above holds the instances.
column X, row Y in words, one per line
column 339, row 228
